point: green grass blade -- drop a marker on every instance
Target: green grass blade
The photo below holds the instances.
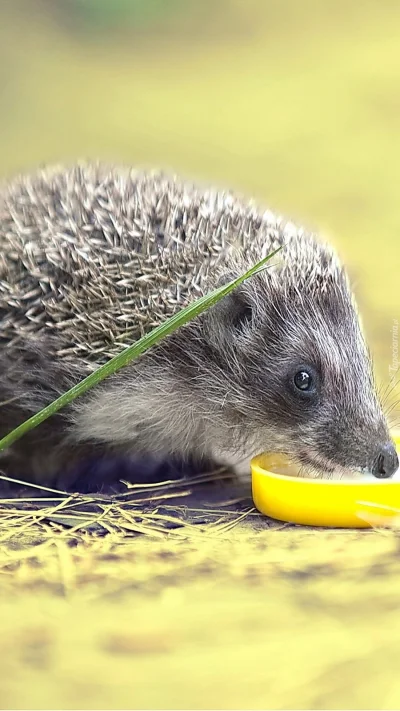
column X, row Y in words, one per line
column 132, row 352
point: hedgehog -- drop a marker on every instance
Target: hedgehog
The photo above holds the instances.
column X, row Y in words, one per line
column 94, row 256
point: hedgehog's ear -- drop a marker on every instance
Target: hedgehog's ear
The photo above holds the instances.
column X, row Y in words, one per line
column 234, row 311
column 230, row 317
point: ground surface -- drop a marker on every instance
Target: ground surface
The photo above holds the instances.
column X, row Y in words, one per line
column 296, row 103
column 273, row 618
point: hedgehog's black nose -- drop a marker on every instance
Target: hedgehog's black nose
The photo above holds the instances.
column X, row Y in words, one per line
column 386, row 462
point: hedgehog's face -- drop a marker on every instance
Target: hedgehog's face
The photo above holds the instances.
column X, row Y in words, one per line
column 327, row 406
column 302, row 379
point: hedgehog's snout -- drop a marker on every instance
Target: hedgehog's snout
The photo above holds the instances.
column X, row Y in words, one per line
column 386, row 461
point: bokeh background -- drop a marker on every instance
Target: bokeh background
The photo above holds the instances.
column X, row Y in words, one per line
column 296, row 104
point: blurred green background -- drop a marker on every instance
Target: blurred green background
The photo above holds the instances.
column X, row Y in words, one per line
column 295, row 103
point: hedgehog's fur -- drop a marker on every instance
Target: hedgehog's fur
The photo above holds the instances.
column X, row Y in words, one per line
column 93, row 257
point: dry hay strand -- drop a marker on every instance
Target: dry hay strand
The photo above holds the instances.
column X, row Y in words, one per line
column 165, row 534
column 33, row 528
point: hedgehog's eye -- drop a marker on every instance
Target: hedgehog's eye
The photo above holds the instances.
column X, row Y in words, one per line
column 303, row 380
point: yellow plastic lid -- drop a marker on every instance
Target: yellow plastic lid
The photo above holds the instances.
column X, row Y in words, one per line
column 337, row 503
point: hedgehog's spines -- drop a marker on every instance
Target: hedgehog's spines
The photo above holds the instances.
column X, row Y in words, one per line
column 100, row 255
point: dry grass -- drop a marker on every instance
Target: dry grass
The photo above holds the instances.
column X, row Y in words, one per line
column 235, row 612
column 36, row 533
column 159, row 599
column 143, row 509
